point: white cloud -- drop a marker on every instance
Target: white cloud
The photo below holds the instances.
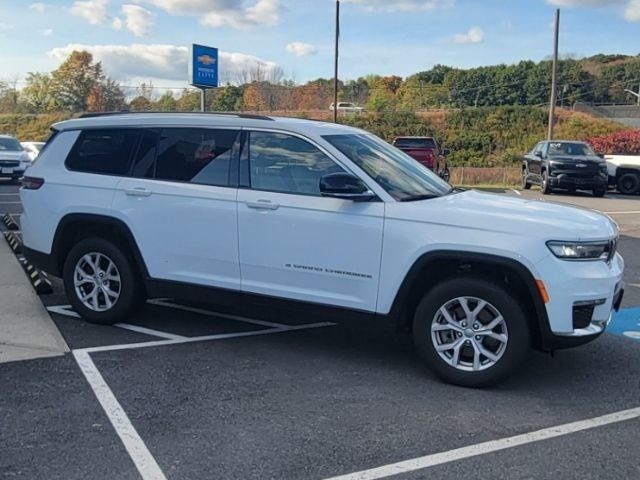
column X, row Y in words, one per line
column 94, row 11
column 474, row 35
column 300, row 49
column 138, row 20
column 47, row 32
column 38, row 7
column 219, row 13
column 632, row 12
column 117, row 23
column 164, row 62
column 391, row 6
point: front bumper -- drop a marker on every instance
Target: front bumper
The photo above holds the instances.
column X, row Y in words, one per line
column 575, row 283
column 569, row 180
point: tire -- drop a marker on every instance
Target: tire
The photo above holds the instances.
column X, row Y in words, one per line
column 445, row 174
column 526, row 184
column 485, row 372
column 545, row 188
column 599, row 192
column 629, row 183
column 129, row 294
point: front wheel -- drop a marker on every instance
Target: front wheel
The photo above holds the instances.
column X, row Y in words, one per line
column 471, row 332
column 526, row 184
column 445, row 174
column 101, row 282
column 545, row 187
column 599, row 192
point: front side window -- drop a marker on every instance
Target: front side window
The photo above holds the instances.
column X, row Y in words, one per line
column 103, row 151
column 400, row 175
column 196, row 155
column 415, row 143
column 570, row 149
column 284, row 163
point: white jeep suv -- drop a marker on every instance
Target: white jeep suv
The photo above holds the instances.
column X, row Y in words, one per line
column 239, row 210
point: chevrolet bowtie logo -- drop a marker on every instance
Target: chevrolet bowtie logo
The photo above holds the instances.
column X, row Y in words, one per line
column 206, row 59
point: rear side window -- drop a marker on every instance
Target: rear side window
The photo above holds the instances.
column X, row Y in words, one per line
column 103, row 151
column 196, row 155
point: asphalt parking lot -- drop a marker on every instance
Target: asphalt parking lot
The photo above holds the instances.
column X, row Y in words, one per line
column 182, row 392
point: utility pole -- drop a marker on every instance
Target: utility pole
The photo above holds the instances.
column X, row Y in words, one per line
column 554, row 79
column 335, row 65
column 637, row 95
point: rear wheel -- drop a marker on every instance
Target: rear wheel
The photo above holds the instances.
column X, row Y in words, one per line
column 599, row 192
column 100, row 281
column 629, row 183
column 445, row 174
column 545, row 187
column 471, row 332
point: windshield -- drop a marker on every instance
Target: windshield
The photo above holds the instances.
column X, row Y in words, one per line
column 400, row 175
column 9, row 144
column 415, row 143
column 570, row 148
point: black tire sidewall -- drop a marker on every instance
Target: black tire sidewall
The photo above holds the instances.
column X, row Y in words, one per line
column 525, row 182
column 546, row 189
column 631, row 191
column 130, row 292
column 507, row 304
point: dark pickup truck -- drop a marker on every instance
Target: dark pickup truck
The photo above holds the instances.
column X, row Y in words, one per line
column 426, row 151
column 566, row 165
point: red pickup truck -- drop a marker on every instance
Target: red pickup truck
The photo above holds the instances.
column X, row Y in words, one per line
column 426, row 151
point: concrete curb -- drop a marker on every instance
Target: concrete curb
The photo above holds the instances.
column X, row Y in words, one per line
column 26, row 329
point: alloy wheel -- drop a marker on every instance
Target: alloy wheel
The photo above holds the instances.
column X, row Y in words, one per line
column 97, row 282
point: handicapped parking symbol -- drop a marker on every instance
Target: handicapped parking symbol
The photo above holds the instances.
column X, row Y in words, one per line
column 626, row 322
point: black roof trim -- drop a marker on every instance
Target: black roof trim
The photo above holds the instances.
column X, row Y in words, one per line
column 229, row 114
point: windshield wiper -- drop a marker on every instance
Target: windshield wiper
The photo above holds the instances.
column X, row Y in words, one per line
column 415, row 198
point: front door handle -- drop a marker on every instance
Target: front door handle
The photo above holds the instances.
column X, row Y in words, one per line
column 137, row 192
column 263, row 205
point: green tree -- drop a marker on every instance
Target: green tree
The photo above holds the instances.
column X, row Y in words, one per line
column 166, row 103
column 37, row 95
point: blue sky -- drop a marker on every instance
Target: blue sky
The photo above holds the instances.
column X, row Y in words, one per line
column 140, row 40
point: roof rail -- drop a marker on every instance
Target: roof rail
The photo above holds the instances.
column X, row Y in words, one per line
column 127, row 112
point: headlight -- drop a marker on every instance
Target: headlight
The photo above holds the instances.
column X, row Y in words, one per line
column 581, row 250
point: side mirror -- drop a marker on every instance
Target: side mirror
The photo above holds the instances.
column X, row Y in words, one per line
column 538, row 154
column 345, row 186
column 601, row 155
column 446, row 151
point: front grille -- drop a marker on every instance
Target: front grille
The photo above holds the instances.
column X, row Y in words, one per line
column 582, row 315
column 9, row 163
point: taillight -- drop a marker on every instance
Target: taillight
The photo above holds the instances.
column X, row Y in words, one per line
column 32, row 183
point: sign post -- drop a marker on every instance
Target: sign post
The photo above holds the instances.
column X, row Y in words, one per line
column 203, row 69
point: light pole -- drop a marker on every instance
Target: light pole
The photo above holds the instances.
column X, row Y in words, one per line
column 554, row 79
column 335, row 65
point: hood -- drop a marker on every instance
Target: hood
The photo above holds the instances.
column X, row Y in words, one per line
column 500, row 213
column 13, row 155
column 576, row 158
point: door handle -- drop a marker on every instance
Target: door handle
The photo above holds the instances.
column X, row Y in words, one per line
column 263, row 205
column 137, row 192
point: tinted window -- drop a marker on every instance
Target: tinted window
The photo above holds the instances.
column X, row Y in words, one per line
column 103, row 151
column 284, row 163
column 195, row 155
column 415, row 143
column 145, row 163
column 570, row 149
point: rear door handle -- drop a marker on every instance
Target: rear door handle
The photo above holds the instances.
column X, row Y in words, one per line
column 137, row 192
column 263, row 205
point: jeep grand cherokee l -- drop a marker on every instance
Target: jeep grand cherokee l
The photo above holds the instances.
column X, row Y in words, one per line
column 234, row 209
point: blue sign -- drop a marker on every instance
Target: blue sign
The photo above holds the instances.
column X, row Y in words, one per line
column 203, row 66
column 626, row 322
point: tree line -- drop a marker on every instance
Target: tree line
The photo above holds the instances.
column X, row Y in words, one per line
column 80, row 84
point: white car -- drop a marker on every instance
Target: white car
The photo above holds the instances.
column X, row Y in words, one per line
column 624, row 173
column 32, row 149
column 347, row 107
column 318, row 216
column 13, row 159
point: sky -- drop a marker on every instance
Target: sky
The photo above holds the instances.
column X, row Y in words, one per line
column 148, row 40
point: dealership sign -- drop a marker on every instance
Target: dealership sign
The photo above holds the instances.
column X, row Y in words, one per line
column 203, row 66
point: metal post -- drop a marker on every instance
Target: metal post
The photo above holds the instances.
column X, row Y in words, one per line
column 335, row 70
column 554, row 79
column 203, row 92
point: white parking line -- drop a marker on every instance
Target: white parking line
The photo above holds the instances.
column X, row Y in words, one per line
column 149, row 331
column 516, row 192
column 138, row 451
column 65, row 310
column 489, row 447
column 622, row 213
column 10, row 203
column 10, row 194
column 164, row 303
